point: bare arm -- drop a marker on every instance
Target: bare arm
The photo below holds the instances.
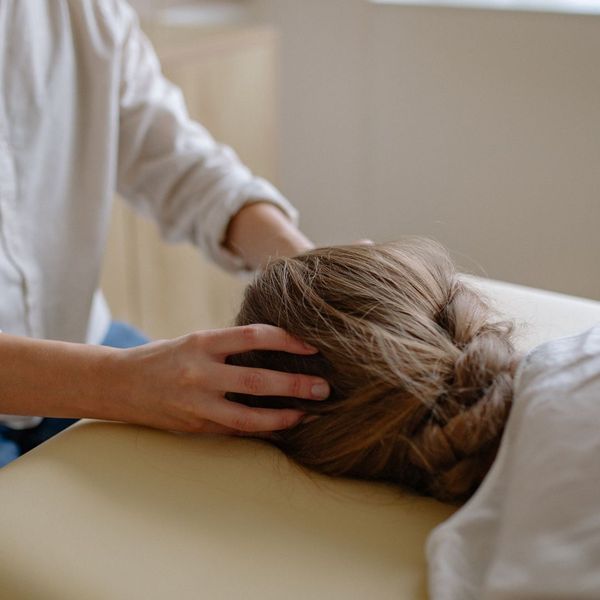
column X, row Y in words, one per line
column 260, row 231
column 170, row 384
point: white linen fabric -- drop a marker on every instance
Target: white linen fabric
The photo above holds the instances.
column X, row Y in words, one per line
column 85, row 111
column 532, row 530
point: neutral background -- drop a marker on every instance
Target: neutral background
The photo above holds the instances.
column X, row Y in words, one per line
column 479, row 128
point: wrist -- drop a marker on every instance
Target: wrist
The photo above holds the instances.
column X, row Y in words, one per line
column 103, row 397
column 260, row 231
column 118, row 379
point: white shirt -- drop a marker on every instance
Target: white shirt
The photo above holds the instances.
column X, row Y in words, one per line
column 532, row 530
column 85, row 111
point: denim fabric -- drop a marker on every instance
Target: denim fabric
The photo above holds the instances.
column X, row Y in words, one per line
column 8, row 449
column 15, row 442
column 122, row 335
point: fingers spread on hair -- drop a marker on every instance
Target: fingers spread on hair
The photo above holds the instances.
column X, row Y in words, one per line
column 235, row 340
column 245, row 419
column 265, row 382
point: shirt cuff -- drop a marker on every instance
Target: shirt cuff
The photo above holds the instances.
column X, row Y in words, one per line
column 20, row 423
column 258, row 190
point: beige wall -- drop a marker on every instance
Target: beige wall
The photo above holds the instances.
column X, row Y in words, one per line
column 480, row 128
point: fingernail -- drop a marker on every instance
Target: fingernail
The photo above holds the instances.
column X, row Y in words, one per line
column 320, row 391
column 309, row 347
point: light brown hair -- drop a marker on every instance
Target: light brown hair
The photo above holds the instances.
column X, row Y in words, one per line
column 419, row 367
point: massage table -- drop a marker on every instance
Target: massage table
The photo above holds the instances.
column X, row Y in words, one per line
column 114, row 511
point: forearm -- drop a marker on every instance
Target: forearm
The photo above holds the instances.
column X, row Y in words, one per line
column 54, row 379
column 260, row 231
column 177, row 384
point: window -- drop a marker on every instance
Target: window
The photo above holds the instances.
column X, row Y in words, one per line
column 584, row 7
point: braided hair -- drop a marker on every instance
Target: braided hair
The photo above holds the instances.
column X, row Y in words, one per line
column 419, row 366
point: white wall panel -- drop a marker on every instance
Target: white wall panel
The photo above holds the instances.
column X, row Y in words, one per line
column 479, row 128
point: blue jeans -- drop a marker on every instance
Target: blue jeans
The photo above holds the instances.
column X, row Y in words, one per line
column 14, row 442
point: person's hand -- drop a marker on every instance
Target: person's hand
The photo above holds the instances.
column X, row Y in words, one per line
column 179, row 384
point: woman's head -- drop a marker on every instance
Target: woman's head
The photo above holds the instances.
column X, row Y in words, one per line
column 420, row 372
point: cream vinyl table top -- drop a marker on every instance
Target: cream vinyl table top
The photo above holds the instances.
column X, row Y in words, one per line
column 114, row 511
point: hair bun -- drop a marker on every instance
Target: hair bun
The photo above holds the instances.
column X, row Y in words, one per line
column 420, row 369
column 457, row 446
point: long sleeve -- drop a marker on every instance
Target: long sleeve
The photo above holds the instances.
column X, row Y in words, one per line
column 170, row 167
